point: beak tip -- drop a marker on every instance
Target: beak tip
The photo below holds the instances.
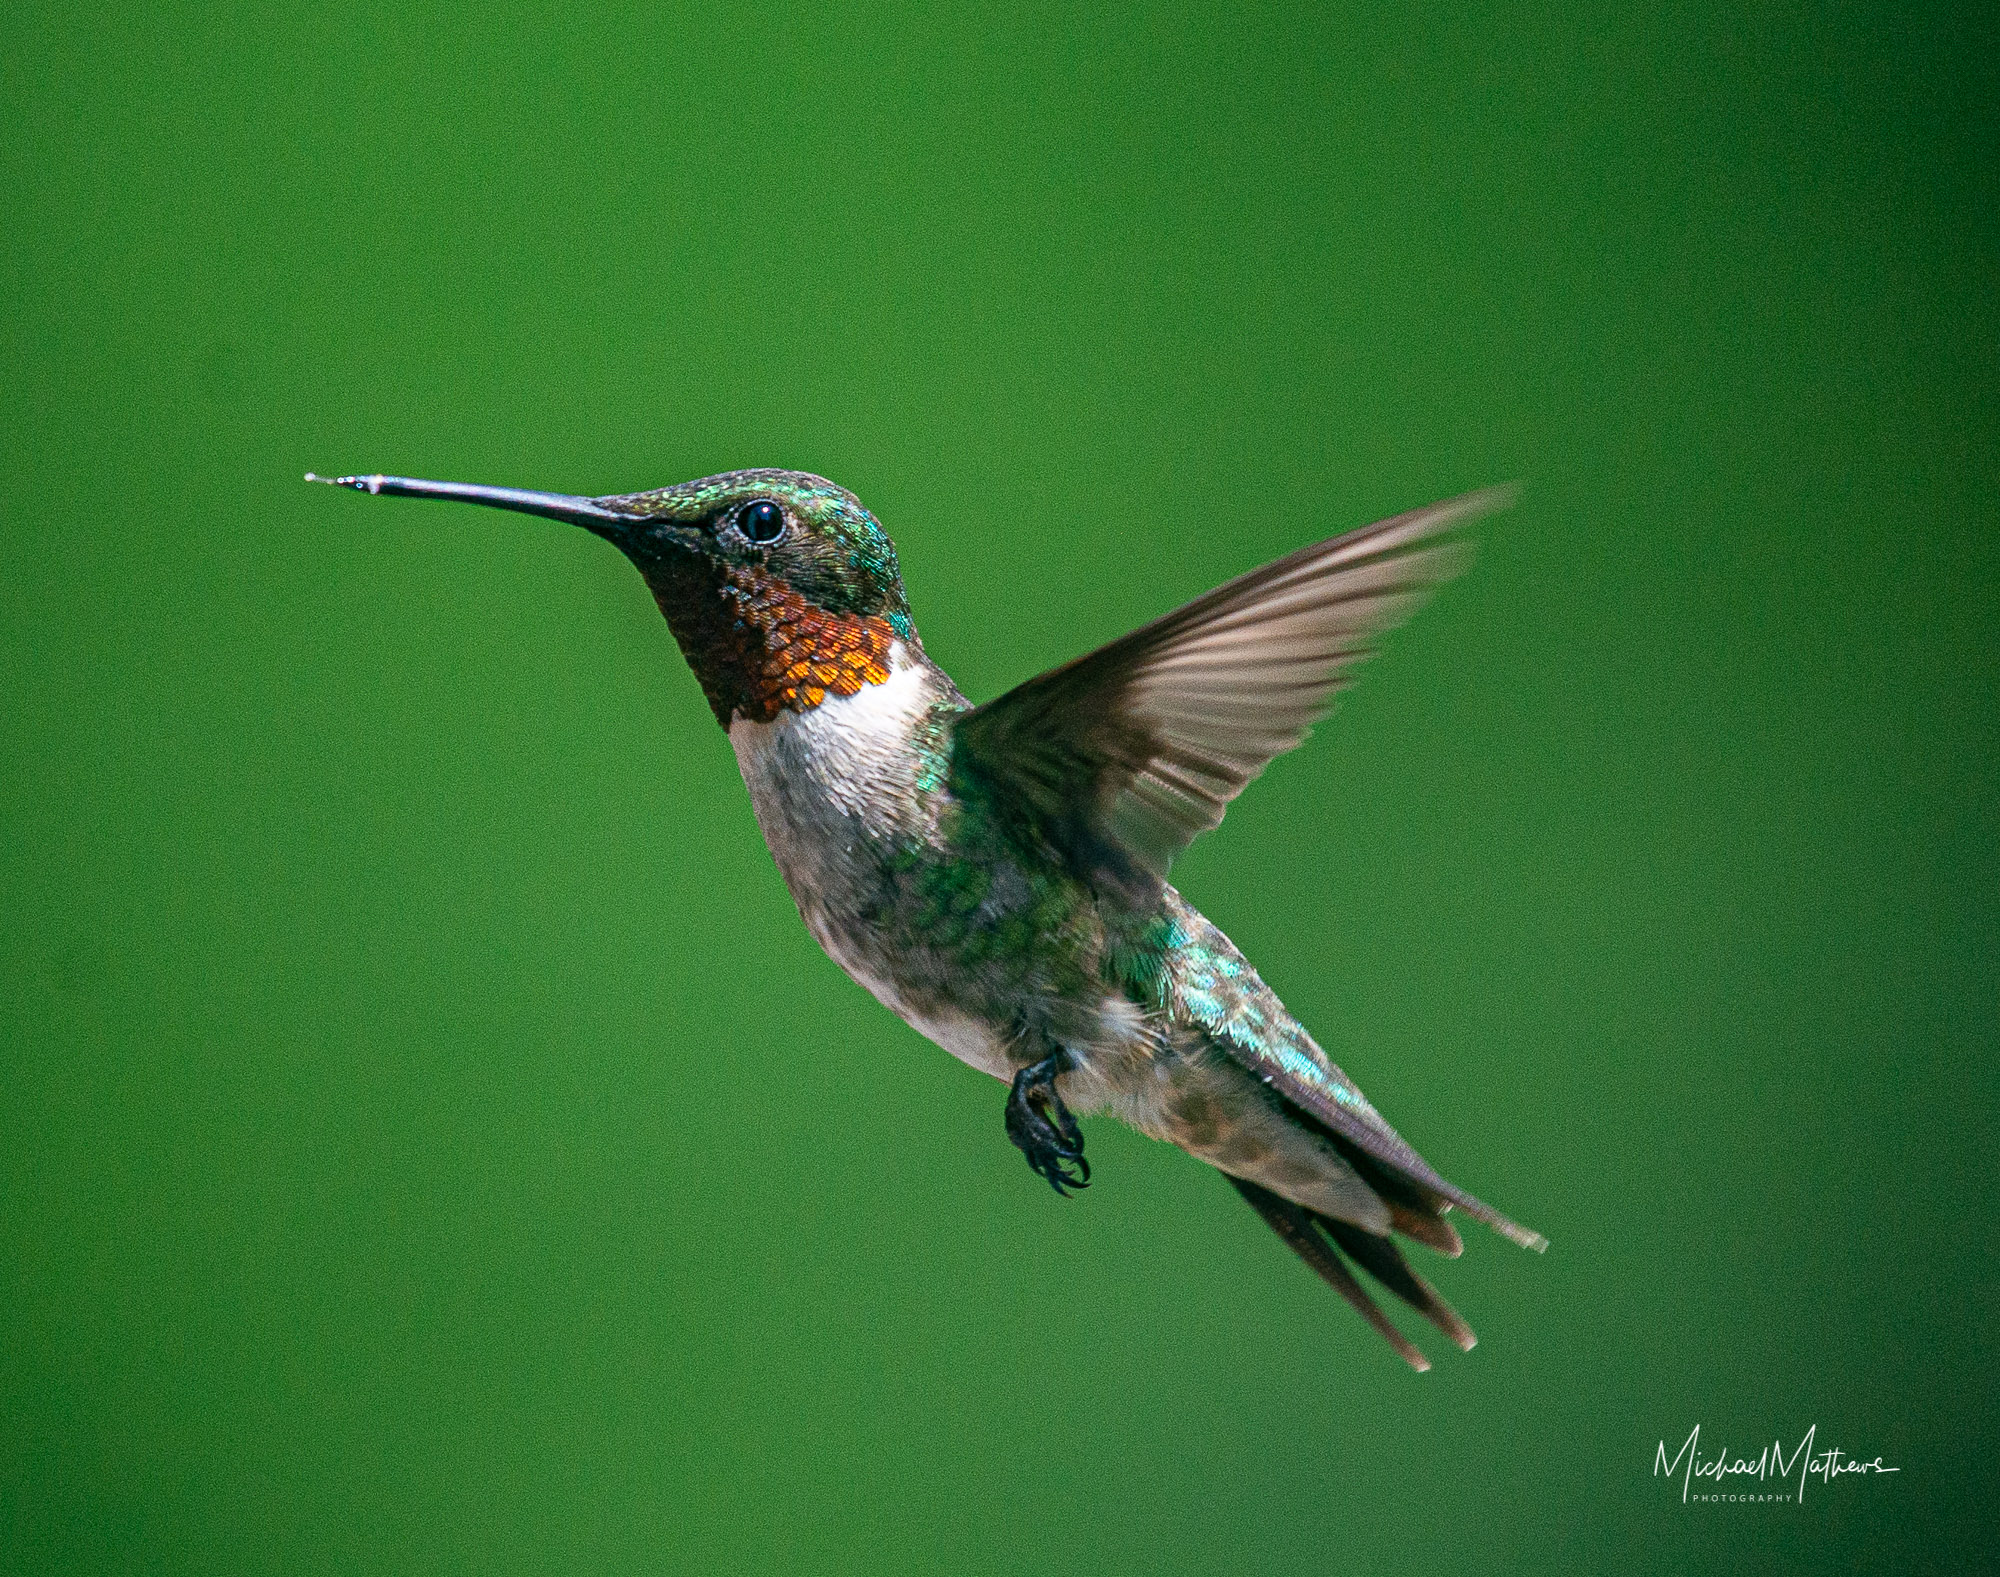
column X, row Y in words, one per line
column 363, row 484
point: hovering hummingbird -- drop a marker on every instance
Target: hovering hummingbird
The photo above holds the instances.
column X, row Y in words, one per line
column 996, row 875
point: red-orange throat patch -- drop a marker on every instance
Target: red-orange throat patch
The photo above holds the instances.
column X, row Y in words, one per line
column 773, row 651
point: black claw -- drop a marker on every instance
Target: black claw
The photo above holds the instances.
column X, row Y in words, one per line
column 1044, row 1129
column 1050, row 1165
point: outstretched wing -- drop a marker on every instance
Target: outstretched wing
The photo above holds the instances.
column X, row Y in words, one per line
column 1119, row 759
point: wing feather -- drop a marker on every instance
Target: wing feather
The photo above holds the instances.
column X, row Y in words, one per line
column 1123, row 757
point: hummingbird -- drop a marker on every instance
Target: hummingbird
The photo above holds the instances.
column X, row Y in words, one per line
column 996, row 875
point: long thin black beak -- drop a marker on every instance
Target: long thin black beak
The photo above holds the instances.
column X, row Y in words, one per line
column 555, row 506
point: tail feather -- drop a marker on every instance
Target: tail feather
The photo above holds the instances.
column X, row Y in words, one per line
column 1419, row 1197
column 1300, row 1229
column 1432, row 1231
column 1384, row 1261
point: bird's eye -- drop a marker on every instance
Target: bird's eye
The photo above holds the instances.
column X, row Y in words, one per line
column 761, row 522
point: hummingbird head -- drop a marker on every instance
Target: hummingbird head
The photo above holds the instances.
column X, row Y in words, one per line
column 779, row 587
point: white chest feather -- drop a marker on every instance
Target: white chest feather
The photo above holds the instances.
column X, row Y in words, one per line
column 832, row 787
column 823, row 780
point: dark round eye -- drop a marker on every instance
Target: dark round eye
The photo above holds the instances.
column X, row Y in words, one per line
column 761, row 522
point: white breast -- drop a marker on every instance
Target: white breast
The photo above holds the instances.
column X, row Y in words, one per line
column 821, row 778
column 828, row 785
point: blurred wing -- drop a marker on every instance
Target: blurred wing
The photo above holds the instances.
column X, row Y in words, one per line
column 1119, row 759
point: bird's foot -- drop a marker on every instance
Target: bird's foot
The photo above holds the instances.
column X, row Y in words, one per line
column 1042, row 1127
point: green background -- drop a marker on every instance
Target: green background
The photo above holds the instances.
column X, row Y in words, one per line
column 430, row 1142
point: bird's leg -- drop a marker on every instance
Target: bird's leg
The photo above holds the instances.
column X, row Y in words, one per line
column 1042, row 1127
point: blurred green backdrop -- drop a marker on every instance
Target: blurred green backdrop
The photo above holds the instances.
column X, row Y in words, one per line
column 428, row 1139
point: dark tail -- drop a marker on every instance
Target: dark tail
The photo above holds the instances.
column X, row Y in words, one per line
column 1320, row 1241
